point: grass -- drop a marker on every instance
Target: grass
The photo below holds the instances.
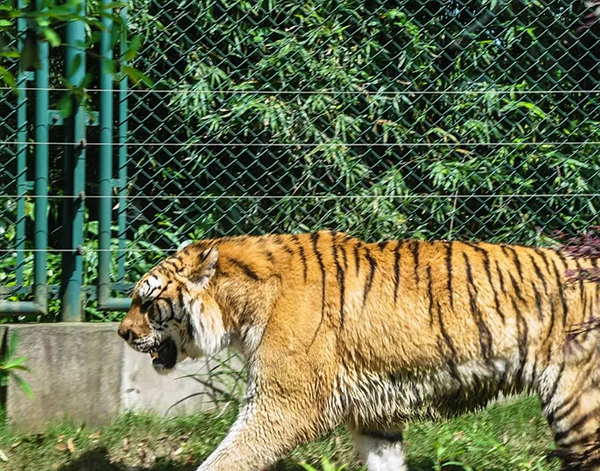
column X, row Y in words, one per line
column 505, row 437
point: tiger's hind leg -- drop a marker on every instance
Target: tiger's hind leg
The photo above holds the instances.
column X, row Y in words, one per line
column 380, row 451
column 571, row 403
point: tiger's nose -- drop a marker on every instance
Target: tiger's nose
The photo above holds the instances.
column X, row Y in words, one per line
column 125, row 333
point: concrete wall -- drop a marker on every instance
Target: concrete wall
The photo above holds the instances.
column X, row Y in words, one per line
column 87, row 373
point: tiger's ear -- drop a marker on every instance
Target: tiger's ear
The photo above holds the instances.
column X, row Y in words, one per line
column 203, row 272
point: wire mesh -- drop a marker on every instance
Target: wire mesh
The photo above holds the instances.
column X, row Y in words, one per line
column 428, row 119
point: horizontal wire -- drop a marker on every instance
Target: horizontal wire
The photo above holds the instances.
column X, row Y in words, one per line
column 305, row 144
column 87, row 250
column 313, row 92
column 314, row 197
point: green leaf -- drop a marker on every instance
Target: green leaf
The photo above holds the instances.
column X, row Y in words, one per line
column 11, row 348
column 51, row 36
column 65, row 105
column 15, row 363
column 7, row 77
column 134, row 47
column 24, row 385
column 136, row 75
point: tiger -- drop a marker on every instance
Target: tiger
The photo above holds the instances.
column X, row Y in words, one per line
column 336, row 331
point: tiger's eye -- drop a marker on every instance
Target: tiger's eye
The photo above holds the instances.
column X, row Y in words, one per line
column 146, row 306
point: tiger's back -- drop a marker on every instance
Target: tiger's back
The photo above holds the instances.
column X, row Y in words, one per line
column 436, row 327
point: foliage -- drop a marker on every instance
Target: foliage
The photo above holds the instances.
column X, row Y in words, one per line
column 326, row 465
column 464, row 120
column 507, row 436
column 368, row 117
column 49, row 23
column 10, row 364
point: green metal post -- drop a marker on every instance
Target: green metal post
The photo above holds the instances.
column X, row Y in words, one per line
column 73, row 210
column 41, row 175
column 122, row 213
column 21, row 153
column 39, row 305
column 106, row 164
column 105, row 301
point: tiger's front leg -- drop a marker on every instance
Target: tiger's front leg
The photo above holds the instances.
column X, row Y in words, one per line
column 262, row 434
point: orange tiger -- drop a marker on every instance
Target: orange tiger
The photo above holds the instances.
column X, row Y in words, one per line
column 338, row 331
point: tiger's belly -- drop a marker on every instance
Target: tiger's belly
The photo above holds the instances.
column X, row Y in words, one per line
column 374, row 400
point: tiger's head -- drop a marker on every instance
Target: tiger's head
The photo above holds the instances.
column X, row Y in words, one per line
column 173, row 313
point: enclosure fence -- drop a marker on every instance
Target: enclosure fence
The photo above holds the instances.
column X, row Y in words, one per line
column 458, row 119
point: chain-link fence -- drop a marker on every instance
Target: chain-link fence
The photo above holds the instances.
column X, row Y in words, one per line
column 428, row 119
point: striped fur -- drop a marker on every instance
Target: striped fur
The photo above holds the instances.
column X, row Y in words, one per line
column 335, row 330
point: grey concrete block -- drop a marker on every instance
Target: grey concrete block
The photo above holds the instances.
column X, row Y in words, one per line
column 87, row 373
column 75, row 373
column 192, row 386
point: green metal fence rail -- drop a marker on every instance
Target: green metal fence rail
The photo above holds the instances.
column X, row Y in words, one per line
column 459, row 119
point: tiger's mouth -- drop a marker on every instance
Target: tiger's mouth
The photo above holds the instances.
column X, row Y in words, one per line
column 164, row 356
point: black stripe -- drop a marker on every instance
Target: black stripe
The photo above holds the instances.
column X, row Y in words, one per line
column 369, row 282
column 315, row 241
column 277, row 238
column 340, row 278
column 165, row 316
column 356, row 258
column 383, row 244
column 485, row 337
column 542, row 253
column 430, row 294
column 343, row 250
column 562, row 257
column 552, row 321
column 446, row 337
column 566, row 409
column 501, row 277
column 151, row 296
column 245, row 268
column 288, row 250
column 517, row 288
column 534, row 370
column 449, row 271
column 180, row 299
column 392, row 437
column 516, row 260
column 539, row 274
column 554, row 388
column 190, row 330
column 586, row 439
column 579, row 268
column 396, row 270
column 171, row 306
column 414, row 248
column 522, row 332
column 561, row 293
column 270, row 256
column 538, row 302
column 171, row 263
column 302, row 256
column 560, row 436
column 488, row 271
